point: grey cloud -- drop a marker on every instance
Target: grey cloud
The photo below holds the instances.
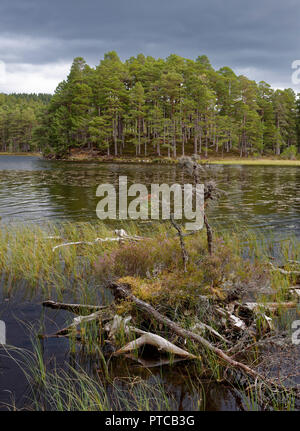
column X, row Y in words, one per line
column 261, row 34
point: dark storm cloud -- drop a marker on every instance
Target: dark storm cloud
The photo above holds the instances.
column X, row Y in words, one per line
column 261, row 37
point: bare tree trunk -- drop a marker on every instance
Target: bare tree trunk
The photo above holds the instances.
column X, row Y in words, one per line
column 185, row 256
column 115, row 136
column 209, row 235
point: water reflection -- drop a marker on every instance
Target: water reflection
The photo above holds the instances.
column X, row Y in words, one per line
column 32, row 189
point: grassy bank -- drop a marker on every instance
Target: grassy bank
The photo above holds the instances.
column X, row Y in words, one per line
column 254, row 162
column 32, row 154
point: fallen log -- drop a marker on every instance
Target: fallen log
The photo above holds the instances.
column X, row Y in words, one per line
column 122, row 291
column 116, row 325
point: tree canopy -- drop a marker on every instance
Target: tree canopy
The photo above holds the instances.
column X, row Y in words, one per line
column 147, row 106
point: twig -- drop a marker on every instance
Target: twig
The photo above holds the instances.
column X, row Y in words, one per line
column 204, row 327
column 122, row 237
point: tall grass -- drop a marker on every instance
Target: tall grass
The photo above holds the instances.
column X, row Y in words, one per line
column 73, row 388
column 26, row 253
column 27, row 256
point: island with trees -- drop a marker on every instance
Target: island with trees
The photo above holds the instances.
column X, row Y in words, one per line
column 153, row 108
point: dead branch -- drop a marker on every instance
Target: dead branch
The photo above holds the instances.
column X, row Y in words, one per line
column 98, row 315
column 192, row 167
column 203, row 327
column 185, row 256
column 123, row 236
column 73, row 308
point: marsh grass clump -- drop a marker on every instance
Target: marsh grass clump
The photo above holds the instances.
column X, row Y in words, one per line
column 154, row 270
column 27, row 253
column 80, row 388
column 143, row 259
column 239, row 262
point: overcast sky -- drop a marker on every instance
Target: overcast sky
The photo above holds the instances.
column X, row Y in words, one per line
column 39, row 38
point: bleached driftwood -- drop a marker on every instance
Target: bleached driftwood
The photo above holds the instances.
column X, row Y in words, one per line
column 98, row 315
column 236, row 322
column 117, row 324
column 120, row 323
column 122, row 236
column 296, row 291
column 154, row 340
column 294, row 287
column 66, row 244
column 53, row 237
column 283, row 271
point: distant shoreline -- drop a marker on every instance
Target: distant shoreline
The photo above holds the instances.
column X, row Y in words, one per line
column 171, row 161
column 165, row 160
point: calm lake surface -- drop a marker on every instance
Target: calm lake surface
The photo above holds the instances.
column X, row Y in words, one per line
column 33, row 190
